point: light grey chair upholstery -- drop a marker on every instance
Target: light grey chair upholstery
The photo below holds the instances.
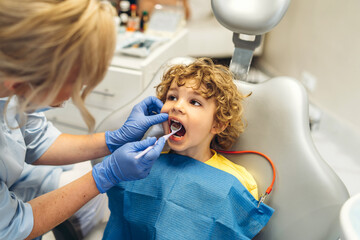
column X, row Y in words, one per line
column 307, row 195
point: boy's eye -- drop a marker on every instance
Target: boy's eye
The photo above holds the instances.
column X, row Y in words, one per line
column 171, row 98
column 195, row 103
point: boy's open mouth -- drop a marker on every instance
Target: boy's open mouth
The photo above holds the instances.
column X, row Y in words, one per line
column 177, row 125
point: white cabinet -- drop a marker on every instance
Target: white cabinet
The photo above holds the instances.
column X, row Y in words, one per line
column 126, row 78
column 118, row 86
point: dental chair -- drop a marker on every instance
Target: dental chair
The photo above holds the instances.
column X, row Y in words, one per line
column 307, row 195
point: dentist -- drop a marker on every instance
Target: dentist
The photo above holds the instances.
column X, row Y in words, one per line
column 50, row 51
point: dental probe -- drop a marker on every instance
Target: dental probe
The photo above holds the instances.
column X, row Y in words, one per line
column 173, row 131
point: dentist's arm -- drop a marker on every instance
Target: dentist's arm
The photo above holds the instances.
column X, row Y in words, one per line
column 52, row 208
column 68, row 149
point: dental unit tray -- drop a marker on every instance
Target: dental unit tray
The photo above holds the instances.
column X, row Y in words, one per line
column 139, row 45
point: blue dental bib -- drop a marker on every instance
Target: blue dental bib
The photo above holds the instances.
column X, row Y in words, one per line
column 183, row 198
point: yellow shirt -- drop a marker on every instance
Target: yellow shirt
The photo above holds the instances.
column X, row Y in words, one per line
column 220, row 162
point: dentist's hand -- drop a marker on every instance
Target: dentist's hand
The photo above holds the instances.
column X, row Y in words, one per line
column 140, row 120
column 122, row 165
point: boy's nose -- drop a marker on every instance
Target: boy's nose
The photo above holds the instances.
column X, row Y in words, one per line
column 179, row 106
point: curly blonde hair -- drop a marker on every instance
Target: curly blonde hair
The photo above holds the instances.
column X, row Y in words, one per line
column 43, row 41
column 217, row 82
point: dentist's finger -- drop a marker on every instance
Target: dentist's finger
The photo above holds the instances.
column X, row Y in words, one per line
column 158, row 118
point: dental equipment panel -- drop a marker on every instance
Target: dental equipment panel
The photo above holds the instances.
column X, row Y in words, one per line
column 248, row 20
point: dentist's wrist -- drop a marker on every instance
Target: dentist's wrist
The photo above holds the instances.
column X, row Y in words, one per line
column 113, row 140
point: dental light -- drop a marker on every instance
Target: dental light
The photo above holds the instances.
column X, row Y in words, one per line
column 248, row 19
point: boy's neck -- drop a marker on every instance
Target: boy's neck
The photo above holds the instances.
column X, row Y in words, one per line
column 202, row 157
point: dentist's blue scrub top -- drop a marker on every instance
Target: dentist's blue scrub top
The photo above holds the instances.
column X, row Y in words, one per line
column 19, row 181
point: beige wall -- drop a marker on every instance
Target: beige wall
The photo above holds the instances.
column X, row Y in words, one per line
column 321, row 37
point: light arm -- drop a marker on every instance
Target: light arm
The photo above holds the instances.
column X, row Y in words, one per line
column 252, row 17
column 248, row 17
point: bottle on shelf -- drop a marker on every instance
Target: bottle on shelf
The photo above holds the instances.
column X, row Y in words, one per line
column 144, row 21
column 134, row 20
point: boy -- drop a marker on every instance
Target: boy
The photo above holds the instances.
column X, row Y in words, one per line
column 183, row 198
column 206, row 102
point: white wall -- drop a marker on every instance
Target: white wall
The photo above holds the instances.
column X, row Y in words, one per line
column 321, row 37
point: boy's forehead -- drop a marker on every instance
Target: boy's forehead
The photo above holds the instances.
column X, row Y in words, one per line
column 195, row 84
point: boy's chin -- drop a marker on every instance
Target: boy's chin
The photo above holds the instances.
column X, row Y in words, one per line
column 176, row 149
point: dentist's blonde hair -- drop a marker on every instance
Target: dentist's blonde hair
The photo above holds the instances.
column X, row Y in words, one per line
column 43, row 42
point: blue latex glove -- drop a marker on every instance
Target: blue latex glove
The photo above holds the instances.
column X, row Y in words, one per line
column 122, row 165
column 140, row 120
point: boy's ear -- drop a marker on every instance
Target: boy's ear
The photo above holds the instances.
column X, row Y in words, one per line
column 218, row 127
